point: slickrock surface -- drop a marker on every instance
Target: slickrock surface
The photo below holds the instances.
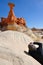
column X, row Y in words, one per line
column 12, row 47
column 23, row 29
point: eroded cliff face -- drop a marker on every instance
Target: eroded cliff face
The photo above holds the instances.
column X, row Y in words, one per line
column 11, row 19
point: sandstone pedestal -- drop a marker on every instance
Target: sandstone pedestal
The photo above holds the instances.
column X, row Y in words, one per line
column 12, row 19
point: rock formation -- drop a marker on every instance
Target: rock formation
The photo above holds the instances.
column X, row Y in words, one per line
column 21, row 21
column 17, row 24
column 11, row 19
column 38, row 32
column 12, row 47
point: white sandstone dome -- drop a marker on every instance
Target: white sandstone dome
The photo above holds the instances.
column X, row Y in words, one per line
column 12, row 47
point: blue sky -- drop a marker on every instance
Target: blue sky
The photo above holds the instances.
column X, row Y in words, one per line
column 30, row 10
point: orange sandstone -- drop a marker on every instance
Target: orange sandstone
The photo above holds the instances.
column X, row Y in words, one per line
column 11, row 19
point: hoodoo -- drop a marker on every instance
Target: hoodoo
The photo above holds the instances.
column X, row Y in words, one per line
column 11, row 19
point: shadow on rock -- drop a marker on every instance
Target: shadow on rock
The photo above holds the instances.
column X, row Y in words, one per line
column 36, row 53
